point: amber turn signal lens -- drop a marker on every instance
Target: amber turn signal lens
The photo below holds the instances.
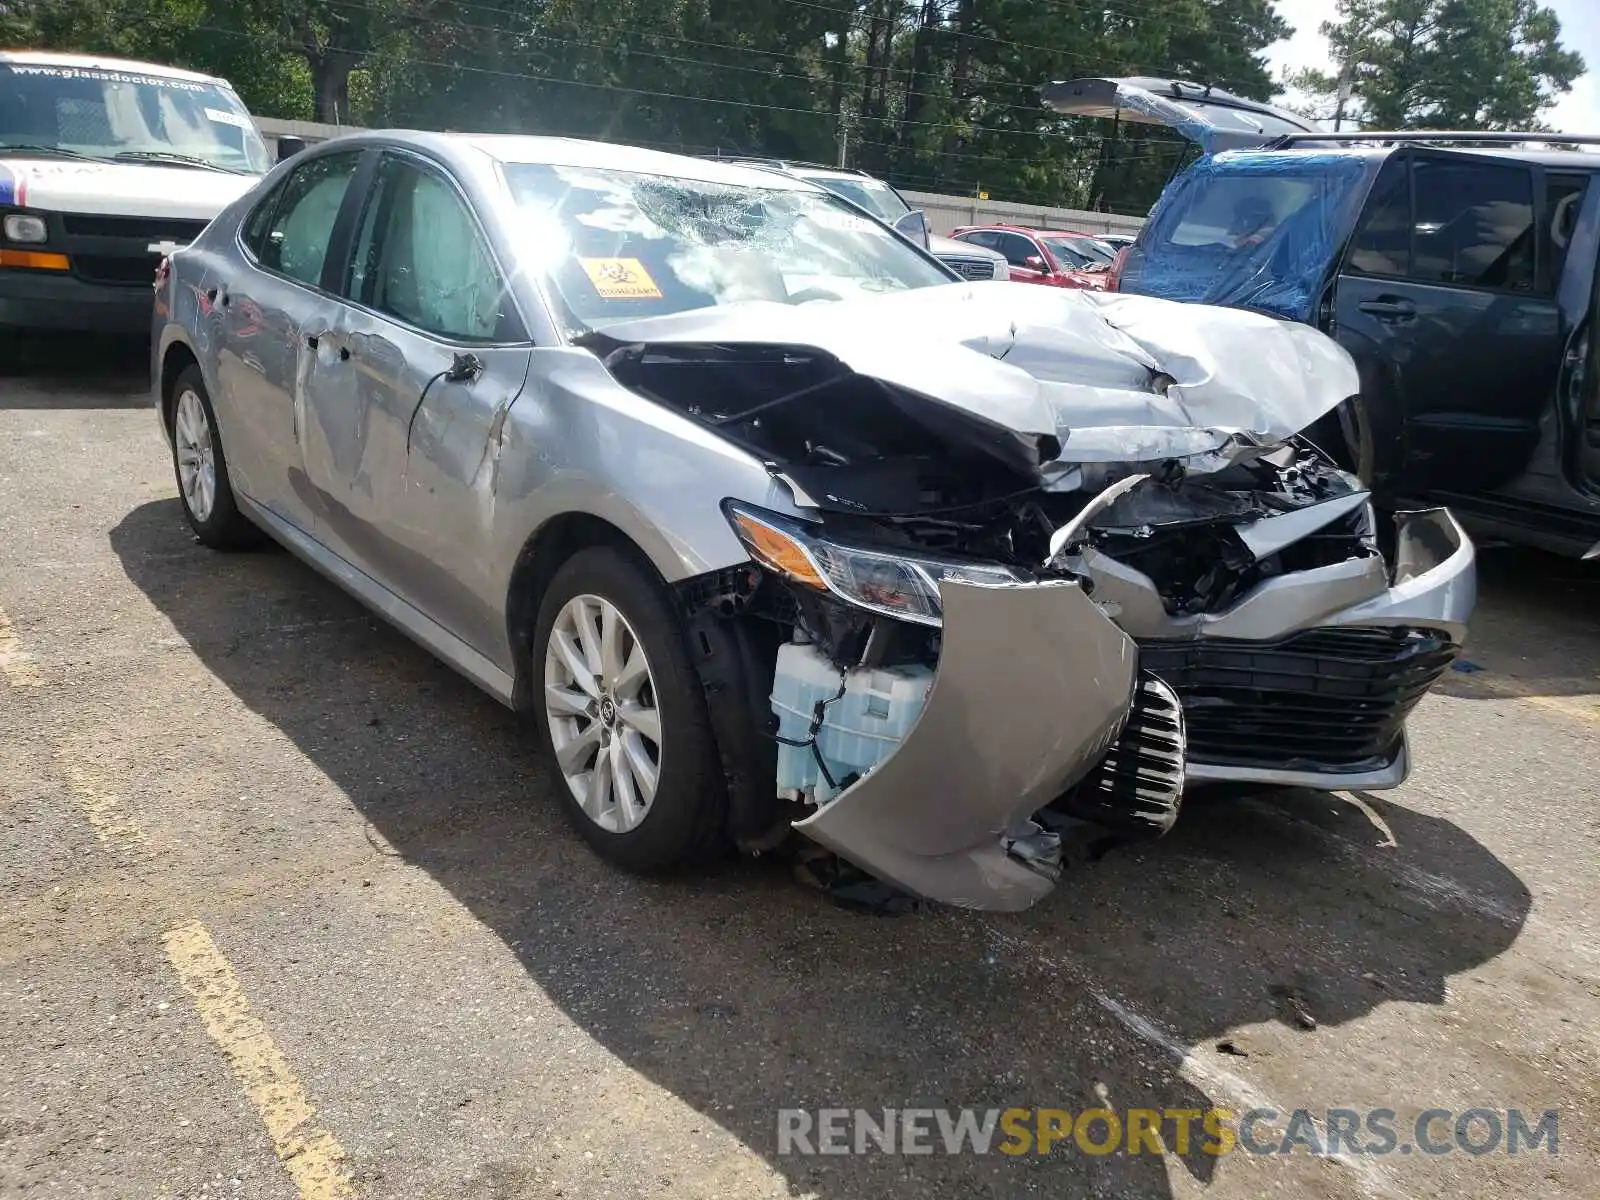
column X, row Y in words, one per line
column 778, row 551
column 33, row 259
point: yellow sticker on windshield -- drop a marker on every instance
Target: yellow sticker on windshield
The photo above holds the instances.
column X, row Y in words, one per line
column 621, row 279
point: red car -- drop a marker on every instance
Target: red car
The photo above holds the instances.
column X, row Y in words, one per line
column 1055, row 257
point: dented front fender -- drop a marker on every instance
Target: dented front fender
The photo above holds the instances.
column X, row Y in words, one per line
column 1033, row 685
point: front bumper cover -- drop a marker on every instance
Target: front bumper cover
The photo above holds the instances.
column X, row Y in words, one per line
column 1006, row 729
column 1432, row 586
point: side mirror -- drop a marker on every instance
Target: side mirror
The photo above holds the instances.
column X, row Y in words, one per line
column 914, row 225
column 288, row 147
column 1034, row 263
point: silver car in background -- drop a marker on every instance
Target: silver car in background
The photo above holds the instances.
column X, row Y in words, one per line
column 774, row 525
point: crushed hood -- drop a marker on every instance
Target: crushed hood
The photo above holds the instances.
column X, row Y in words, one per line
column 119, row 189
column 1114, row 378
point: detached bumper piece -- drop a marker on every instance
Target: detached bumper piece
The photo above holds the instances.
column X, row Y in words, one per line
column 1006, row 729
column 1137, row 789
column 1328, row 701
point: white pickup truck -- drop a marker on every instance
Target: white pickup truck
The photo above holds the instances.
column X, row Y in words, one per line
column 107, row 165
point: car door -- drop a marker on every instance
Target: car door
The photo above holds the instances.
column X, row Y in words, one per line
column 437, row 353
column 270, row 310
column 1446, row 301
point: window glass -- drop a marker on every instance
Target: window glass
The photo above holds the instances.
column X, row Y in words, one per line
column 877, row 198
column 1017, row 249
column 420, row 257
column 1562, row 200
column 1474, row 225
column 294, row 239
column 980, row 237
column 124, row 114
column 1382, row 242
column 616, row 245
column 1074, row 253
column 1238, row 211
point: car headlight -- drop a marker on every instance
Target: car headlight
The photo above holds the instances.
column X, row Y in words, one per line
column 22, row 227
column 905, row 586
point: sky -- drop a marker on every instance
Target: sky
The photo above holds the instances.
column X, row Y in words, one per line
column 1576, row 112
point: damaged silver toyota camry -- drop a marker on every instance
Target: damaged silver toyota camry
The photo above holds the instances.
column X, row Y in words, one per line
column 775, row 526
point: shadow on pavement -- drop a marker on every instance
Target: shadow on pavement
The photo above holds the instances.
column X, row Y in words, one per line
column 73, row 370
column 742, row 993
column 1519, row 589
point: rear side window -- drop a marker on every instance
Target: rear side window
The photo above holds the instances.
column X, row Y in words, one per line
column 1474, row 225
column 289, row 233
column 982, row 237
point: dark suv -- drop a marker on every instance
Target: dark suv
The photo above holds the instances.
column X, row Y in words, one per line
column 1457, row 269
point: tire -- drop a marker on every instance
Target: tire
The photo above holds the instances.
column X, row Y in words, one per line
column 684, row 820
column 201, row 467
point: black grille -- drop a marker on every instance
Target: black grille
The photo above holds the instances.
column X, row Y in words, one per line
column 121, row 270
column 154, row 229
column 1138, row 786
column 971, row 268
column 1324, row 700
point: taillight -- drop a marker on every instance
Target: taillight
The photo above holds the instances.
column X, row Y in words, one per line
column 1114, row 276
column 162, row 271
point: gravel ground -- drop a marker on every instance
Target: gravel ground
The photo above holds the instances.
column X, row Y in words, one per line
column 289, row 909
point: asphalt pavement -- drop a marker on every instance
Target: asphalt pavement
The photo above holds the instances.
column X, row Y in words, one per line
column 288, row 909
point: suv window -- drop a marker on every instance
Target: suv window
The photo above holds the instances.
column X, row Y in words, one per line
column 1473, row 225
column 420, row 257
column 1382, row 242
column 289, row 232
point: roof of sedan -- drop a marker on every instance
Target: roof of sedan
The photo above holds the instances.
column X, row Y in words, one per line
column 575, row 152
column 1028, row 229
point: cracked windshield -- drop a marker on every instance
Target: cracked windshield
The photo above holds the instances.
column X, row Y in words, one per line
column 618, row 245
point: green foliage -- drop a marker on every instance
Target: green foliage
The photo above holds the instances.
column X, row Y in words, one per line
column 938, row 95
column 1444, row 64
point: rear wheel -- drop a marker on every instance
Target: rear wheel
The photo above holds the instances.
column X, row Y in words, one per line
column 202, row 468
column 621, row 710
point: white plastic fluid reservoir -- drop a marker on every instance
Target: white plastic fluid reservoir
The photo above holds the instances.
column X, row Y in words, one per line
column 859, row 730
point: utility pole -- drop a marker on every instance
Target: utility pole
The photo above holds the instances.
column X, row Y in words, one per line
column 844, row 143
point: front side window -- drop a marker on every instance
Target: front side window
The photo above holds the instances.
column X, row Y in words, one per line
column 1474, row 225
column 1017, row 249
column 876, row 197
column 127, row 116
column 290, row 232
column 617, row 245
column 420, row 257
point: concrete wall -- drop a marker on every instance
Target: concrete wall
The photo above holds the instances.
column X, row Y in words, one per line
column 944, row 212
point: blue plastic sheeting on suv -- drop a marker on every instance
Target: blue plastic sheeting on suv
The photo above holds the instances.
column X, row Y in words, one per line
column 1251, row 229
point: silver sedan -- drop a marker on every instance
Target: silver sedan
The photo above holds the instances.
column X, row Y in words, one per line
column 775, row 525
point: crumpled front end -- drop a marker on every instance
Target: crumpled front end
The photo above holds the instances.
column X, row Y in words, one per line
column 1005, row 730
column 1298, row 650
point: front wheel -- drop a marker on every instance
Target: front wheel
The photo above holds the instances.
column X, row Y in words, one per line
column 621, row 710
column 202, row 468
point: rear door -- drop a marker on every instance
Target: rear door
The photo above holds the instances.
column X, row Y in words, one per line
column 436, row 353
column 1446, row 300
column 270, row 313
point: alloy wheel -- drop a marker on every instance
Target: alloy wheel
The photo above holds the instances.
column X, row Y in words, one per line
column 600, row 703
column 196, row 451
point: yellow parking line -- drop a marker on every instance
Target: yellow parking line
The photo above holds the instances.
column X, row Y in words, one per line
column 16, row 664
column 312, row 1156
column 111, row 822
column 1583, row 707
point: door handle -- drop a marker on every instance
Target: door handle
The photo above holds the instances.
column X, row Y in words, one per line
column 1391, row 308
